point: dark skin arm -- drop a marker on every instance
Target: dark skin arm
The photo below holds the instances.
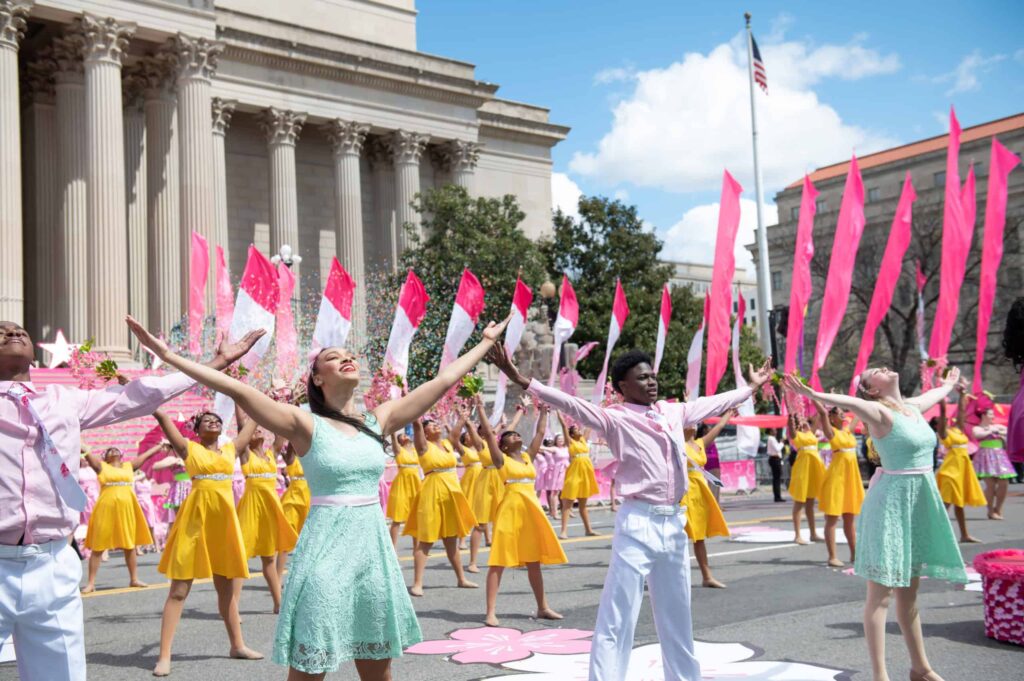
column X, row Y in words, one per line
column 178, row 441
column 145, row 456
column 826, row 425
column 717, row 429
column 487, row 434
column 419, row 439
column 961, row 412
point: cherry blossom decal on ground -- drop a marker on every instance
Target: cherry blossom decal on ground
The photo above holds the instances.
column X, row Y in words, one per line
column 973, row 580
column 497, row 645
column 765, row 534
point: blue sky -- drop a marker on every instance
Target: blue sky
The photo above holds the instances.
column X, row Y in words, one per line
column 655, row 90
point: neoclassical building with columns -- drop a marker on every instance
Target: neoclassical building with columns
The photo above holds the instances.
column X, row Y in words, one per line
column 126, row 125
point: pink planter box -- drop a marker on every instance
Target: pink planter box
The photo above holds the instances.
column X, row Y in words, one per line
column 1002, row 575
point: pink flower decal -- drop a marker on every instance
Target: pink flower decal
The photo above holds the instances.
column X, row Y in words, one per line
column 496, row 645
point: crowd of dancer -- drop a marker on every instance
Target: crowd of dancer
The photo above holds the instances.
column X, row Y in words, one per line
column 313, row 489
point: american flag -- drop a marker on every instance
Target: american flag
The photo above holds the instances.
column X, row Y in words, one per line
column 760, row 75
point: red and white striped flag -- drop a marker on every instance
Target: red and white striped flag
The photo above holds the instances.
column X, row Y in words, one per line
column 694, row 358
column 287, row 337
column 521, row 300
column 760, row 74
column 334, row 319
column 565, row 324
column 620, row 312
column 663, row 321
column 469, row 304
column 747, row 437
column 225, row 297
column 199, row 265
column 410, row 311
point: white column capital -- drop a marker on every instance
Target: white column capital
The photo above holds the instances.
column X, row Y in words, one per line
column 133, row 86
column 13, row 17
column 222, row 111
column 282, row 127
column 378, row 153
column 158, row 73
column 346, row 137
column 105, row 37
column 39, row 78
column 68, row 52
column 407, row 147
column 459, row 155
column 196, row 57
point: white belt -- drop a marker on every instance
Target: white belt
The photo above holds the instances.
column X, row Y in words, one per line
column 213, row 476
column 808, row 449
column 117, row 484
column 654, row 509
column 408, row 465
column 441, row 470
column 345, row 500
column 518, row 481
column 28, row 550
column 846, row 450
column 924, row 470
column 253, row 476
column 298, row 477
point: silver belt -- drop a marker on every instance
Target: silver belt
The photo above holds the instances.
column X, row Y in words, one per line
column 219, row 477
column 845, row 450
column 255, row 476
column 518, row 481
column 117, row 484
column 576, row 456
column 441, row 470
column 410, row 465
column 297, row 477
column 809, row 448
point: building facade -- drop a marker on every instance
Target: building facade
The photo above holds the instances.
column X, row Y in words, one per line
column 698, row 277
column 310, row 124
column 883, row 174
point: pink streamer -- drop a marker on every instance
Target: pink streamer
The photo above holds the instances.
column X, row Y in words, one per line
column 1002, row 162
column 888, row 276
column 721, row 282
column 225, row 298
column 199, row 263
column 287, row 338
column 800, row 289
column 840, row 268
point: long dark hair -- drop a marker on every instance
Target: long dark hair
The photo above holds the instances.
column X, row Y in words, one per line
column 1013, row 334
column 318, row 405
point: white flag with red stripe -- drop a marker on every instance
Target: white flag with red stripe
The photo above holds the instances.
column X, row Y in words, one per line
column 521, row 300
column 663, row 321
column 620, row 312
column 411, row 308
column 695, row 357
column 334, row 320
column 469, row 304
column 565, row 324
column 748, row 438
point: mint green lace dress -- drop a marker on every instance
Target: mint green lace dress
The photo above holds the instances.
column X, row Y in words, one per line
column 903, row 530
column 344, row 595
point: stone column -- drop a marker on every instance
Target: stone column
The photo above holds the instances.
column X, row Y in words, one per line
column 106, row 40
column 460, row 158
column 133, row 85
column 384, row 199
column 406, row 151
column 347, row 141
column 197, row 60
column 222, row 111
column 12, row 27
column 71, row 312
column 42, row 194
column 282, row 129
column 163, row 201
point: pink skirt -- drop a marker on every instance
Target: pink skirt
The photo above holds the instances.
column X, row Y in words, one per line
column 990, row 462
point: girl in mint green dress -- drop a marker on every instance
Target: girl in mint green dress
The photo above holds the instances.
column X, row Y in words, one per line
column 903, row 532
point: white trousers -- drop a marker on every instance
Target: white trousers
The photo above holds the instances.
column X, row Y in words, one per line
column 652, row 547
column 41, row 607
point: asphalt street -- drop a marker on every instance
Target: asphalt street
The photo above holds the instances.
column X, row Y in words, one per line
column 784, row 615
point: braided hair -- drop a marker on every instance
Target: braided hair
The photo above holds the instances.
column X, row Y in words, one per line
column 1013, row 334
column 318, row 405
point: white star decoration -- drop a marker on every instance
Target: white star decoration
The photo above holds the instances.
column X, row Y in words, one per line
column 60, row 350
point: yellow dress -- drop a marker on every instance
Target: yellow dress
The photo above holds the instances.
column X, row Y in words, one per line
column 843, row 488
column 487, row 490
column 265, row 529
column 703, row 514
column 522, row 533
column 206, row 538
column 117, row 521
column 473, row 468
column 440, row 510
column 580, row 481
column 956, row 477
column 405, row 486
column 295, row 500
column 808, row 472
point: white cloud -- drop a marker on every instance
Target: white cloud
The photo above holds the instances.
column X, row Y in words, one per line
column 621, row 195
column 692, row 239
column 565, row 194
column 614, row 75
column 683, row 123
column 965, row 76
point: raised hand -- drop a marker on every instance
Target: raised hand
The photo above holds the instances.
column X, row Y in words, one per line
column 499, row 358
column 494, row 330
column 229, row 353
column 760, row 376
column 146, row 339
column 797, row 387
column 952, row 378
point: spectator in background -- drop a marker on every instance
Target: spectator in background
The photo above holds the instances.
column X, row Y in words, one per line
column 774, row 447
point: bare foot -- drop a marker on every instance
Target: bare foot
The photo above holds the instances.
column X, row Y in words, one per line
column 548, row 614
column 472, row 568
column 591, row 534
column 492, row 621
column 277, row 609
column 929, row 675
column 466, row 584
column 162, row 668
column 835, row 562
column 88, row 589
column 416, row 591
column 969, row 540
column 816, row 539
column 991, row 516
column 801, row 541
column 137, row 584
column 563, row 536
column 713, row 584
column 245, row 654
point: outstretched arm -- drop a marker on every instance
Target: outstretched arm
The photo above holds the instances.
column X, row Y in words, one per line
column 715, row 431
column 171, row 432
column 926, row 401
column 961, row 409
column 520, row 410
column 703, row 407
column 565, row 428
column 877, row 418
column 826, row 425
column 455, row 433
column 538, row 433
column 246, row 429
column 487, row 433
column 95, row 462
column 146, row 455
column 419, row 438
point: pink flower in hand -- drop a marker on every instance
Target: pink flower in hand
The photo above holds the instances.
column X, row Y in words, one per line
column 495, row 645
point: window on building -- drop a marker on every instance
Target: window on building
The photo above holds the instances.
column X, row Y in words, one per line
column 735, row 307
column 820, row 206
column 794, row 213
column 940, row 178
column 979, row 170
column 776, row 281
column 874, row 194
column 753, row 304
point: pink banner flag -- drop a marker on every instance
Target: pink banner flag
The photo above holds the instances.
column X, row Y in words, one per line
column 334, row 318
column 694, row 358
column 1002, row 162
column 522, row 298
column 664, row 319
column 469, row 304
column 720, row 294
column 620, row 311
column 199, row 264
column 410, row 311
column 956, row 243
column 888, row 276
column 565, row 323
column 840, row 268
column 225, row 298
column 921, row 281
column 287, row 338
column 800, row 289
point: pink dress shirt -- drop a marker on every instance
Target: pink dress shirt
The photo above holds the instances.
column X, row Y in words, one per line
column 31, row 510
column 649, row 470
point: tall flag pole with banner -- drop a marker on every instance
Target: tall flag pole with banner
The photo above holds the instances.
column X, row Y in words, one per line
column 759, row 76
column 620, row 311
column 565, row 324
column 334, row 320
column 469, row 304
column 720, row 294
column 801, row 286
column 664, row 318
column 410, row 311
column 521, row 300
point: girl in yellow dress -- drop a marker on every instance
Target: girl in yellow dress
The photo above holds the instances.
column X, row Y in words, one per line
column 522, row 533
column 488, row 489
column 296, row 498
column 807, row 476
column 956, row 478
column 842, row 491
column 265, row 529
column 405, row 486
column 703, row 514
column 117, row 521
column 440, row 510
column 580, row 481
column 206, row 539
column 469, row 459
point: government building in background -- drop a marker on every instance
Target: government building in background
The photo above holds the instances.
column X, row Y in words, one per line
column 883, row 175
column 127, row 125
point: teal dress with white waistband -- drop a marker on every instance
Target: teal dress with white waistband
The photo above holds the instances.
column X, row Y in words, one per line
column 344, row 596
column 903, row 531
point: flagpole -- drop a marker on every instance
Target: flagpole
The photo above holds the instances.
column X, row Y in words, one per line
column 764, row 285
